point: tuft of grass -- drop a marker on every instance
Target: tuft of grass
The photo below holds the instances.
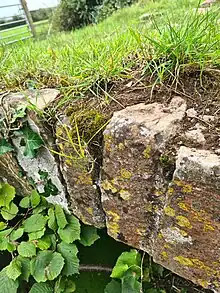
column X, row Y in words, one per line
column 171, row 38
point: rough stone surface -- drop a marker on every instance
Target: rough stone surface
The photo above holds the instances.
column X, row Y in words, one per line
column 195, row 136
column 173, row 215
column 133, row 181
column 81, row 181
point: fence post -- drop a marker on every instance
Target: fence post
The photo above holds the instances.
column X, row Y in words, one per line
column 28, row 17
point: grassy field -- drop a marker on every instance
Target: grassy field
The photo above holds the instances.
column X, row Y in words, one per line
column 21, row 32
column 171, row 37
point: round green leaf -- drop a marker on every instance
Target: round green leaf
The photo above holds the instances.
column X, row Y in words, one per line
column 47, row 266
column 7, row 194
column 44, row 243
column 25, row 202
column 16, row 234
column 88, row 235
column 35, row 199
column 3, row 225
column 6, row 284
column 52, row 224
column 25, row 267
column 60, row 216
column 71, row 232
column 14, row 269
column 35, row 223
column 69, row 253
column 36, row 235
column 41, row 288
column 9, row 213
column 27, row 249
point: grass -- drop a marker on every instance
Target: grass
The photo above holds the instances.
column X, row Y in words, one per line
column 162, row 45
column 21, row 32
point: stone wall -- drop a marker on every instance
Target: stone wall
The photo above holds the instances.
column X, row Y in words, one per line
column 157, row 187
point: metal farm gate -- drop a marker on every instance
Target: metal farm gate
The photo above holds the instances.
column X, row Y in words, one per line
column 21, row 25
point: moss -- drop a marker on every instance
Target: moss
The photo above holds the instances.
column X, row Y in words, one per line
column 125, row 174
column 164, row 255
column 164, row 159
column 183, row 222
column 113, row 223
column 147, row 152
column 183, row 206
column 84, row 178
column 124, row 194
column 169, row 211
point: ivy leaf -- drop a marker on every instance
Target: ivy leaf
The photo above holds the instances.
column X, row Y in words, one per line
column 52, row 224
column 16, row 234
column 124, row 262
column 113, row 287
column 36, row 235
column 130, row 284
column 6, row 284
column 27, row 249
column 5, row 147
column 35, row 199
column 32, row 141
column 69, row 253
column 3, row 225
column 7, row 194
column 25, row 267
column 46, row 266
column 25, row 202
column 41, row 288
column 9, row 213
column 60, row 216
column 88, row 235
column 14, row 269
column 71, row 232
column 35, row 223
column 44, row 243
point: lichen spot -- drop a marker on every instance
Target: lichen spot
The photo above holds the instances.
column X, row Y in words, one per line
column 90, row 210
column 113, row 223
column 183, row 206
column 164, row 255
column 147, row 152
column 170, row 191
column 203, row 283
column 84, row 178
column 208, row 227
column 125, row 173
column 169, row 211
column 106, row 185
column 140, row 231
column 124, row 194
column 121, row 146
column 187, row 188
column 183, row 261
column 183, row 222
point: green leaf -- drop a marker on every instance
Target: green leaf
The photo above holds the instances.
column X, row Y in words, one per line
column 9, row 213
column 88, row 235
column 27, row 249
column 113, row 287
column 16, row 234
column 124, row 262
column 69, row 253
column 5, row 147
column 3, row 225
column 35, row 223
column 35, row 199
column 44, row 243
column 64, row 285
column 41, row 288
column 14, row 269
column 32, row 141
column 19, row 112
column 71, row 232
column 25, row 267
column 7, row 194
column 52, row 224
column 130, row 284
column 25, row 202
column 6, row 284
column 36, row 235
column 46, row 266
column 4, row 239
column 60, row 216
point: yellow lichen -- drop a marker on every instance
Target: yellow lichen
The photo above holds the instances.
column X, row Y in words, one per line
column 106, row 185
column 183, row 233
column 158, row 192
column 183, row 222
column 169, row 211
column 170, row 191
column 203, row 283
column 124, row 194
column 147, row 152
column 208, row 227
column 113, row 223
column 121, row 146
column 166, row 246
column 140, row 231
column 164, row 255
column 183, row 261
column 90, row 210
column 183, row 206
column 69, row 162
column 187, row 188
column 84, row 179
column 149, row 207
column 125, row 173
column 160, row 236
